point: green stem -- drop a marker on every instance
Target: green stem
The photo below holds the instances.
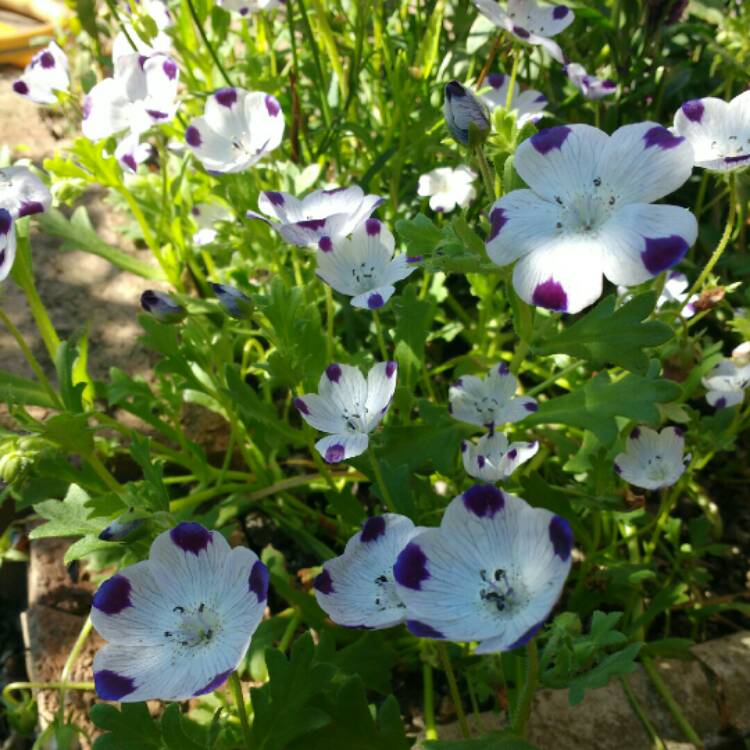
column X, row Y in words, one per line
column 430, row 731
column 572, row 367
column 208, row 44
column 701, row 195
column 103, row 473
column 523, row 710
column 379, row 335
column 291, row 628
column 70, row 663
column 13, row 686
column 322, row 88
column 453, row 687
column 485, row 171
column 384, row 491
column 329, row 322
column 513, row 76
column 239, row 699
column 684, row 725
column 638, row 710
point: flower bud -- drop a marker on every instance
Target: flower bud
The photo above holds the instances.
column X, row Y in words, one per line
column 465, row 114
column 235, row 303
column 162, row 306
column 120, row 528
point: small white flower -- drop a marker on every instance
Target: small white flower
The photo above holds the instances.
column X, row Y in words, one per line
column 7, row 243
column 653, row 459
column 492, row 571
column 22, row 193
column 237, row 129
column 448, row 187
column 160, row 44
column 529, row 22
column 363, row 266
column 244, row 7
column 46, row 74
column 492, row 459
column 528, row 105
column 727, row 381
column 205, row 216
column 719, row 132
column 349, row 407
column 323, row 213
column 179, row 623
column 741, row 354
column 676, row 289
column 588, row 212
column 590, row 86
column 356, row 589
column 464, row 112
column 489, row 401
column 130, row 152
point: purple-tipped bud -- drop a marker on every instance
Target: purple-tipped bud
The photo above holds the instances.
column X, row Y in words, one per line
column 465, row 114
column 162, row 306
column 120, row 528
column 235, row 303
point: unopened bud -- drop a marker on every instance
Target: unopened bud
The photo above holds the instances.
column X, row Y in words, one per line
column 465, row 114
column 162, row 306
column 235, row 303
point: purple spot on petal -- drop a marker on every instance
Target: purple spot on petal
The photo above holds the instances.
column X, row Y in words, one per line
column 464, row 446
column 47, row 60
column 372, row 226
column 6, row 221
column 244, row 11
column 142, row 60
column 693, row 110
column 21, row 88
column 720, row 403
column 736, row 159
column 390, row 368
column 323, row 583
column 272, row 106
column 663, row 252
column 214, row 683
column 333, row 373
column 87, row 106
column 191, row 537
column 414, row 258
column 129, row 161
column 526, row 637
column 227, row 97
column 30, row 207
column 549, row 138
column 113, row 595
column 193, row 136
column 521, row 32
column 503, row 369
column 300, row 406
column 258, row 581
column 661, row 137
column 635, row 433
column 170, row 69
column 374, row 301
column 559, row 12
column 335, row 453
column 561, row 536
column 679, row 431
column 277, row 199
column 531, row 406
column 313, row 224
column 496, row 80
column 411, row 567
column 325, row 244
column 373, row 529
column 608, row 83
column 498, row 220
column 423, row 630
column 618, row 470
column 111, row 686
column 512, row 453
column 550, row 294
column 483, row 500
column 156, row 114
column 480, row 461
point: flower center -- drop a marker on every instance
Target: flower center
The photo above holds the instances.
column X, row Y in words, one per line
column 486, row 407
column 193, row 627
column 731, row 146
column 356, row 418
column 586, row 212
column 386, row 597
column 498, row 592
column 363, row 274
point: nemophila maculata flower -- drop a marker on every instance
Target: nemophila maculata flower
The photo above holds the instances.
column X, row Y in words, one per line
column 492, row 572
column 718, row 131
column 528, row 105
column 128, row 38
column 7, row 243
column 141, row 94
column 322, row 214
column 493, row 459
column 206, row 215
column 246, row 7
column 162, row 306
column 588, row 212
column 44, row 76
column 448, row 187
column 179, row 623
column 237, row 129
column 674, row 292
column 348, row 407
column 234, row 302
column 589, row 85
column 529, row 22
column 363, row 266
column 652, row 459
column 22, row 193
column 727, row 381
column 356, row 589
column 466, row 115
column 489, row 401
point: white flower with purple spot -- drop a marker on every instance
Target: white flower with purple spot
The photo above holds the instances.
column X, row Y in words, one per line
column 179, row 623
column 126, row 40
column 718, row 131
column 590, row 86
column 675, row 291
column 464, row 113
column 653, row 459
column 22, row 193
column 492, row 572
column 7, row 243
column 321, row 214
column 162, row 306
column 448, row 187
column 589, row 212
column 356, row 589
column 348, row 407
column 529, row 22
column 206, row 216
column 489, row 401
column 528, row 105
column 727, row 381
column 44, row 76
column 245, row 7
column 363, row 266
column 493, row 459
column 237, row 129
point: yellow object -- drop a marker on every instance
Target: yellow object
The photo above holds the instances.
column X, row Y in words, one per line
column 18, row 43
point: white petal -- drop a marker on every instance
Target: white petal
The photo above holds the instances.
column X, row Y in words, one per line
column 373, row 299
column 106, row 110
column 46, row 74
column 282, row 206
column 213, row 150
column 22, row 193
column 725, row 399
column 320, row 413
column 381, row 385
column 7, row 243
column 265, row 121
column 130, row 152
column 345, row 387
column 335, row 448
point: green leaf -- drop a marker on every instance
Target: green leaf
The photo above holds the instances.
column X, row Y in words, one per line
column 69, row 517
column 17, row 390
column 370, row 657
column 173, row 730
column 85, row 546
column 131, row 728
column 609, row 336
column 414, row 318
column 155, row 495
column 71, row 432
column 71, row 388
column 619, row 663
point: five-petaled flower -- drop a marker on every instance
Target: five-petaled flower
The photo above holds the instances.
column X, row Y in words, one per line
column 448, row 187
column 321, row 214
column 356, row 589
column 44, row 76
column 237, row 129
column 588, row 212
column 492, row 571
column 179, row 623
column 653, row 459
column 727, row 381
column 529, row 22
column 363, row 266
column 348, row 407
column 466, row 115
column 528, row 105
column 590, row 86
column 718, row 131
column 493, row 459
column 489, row 401
column 245, row 7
